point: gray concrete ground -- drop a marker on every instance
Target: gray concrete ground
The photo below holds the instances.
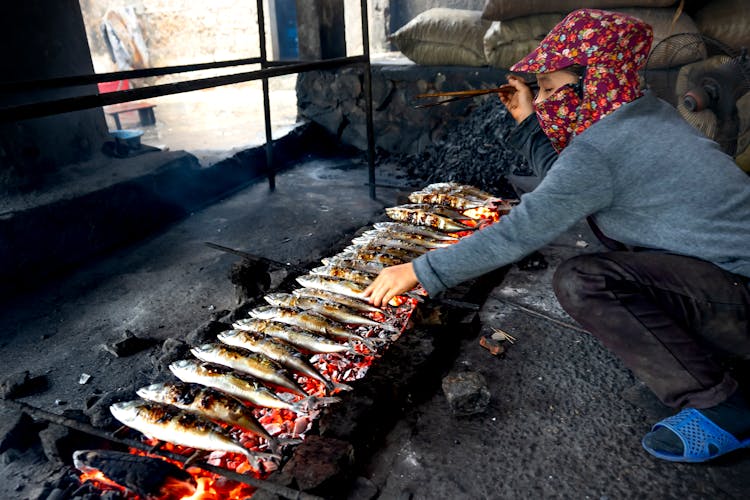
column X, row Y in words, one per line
column 565, row 417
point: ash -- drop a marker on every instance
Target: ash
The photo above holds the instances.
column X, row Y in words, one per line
column 473, row 151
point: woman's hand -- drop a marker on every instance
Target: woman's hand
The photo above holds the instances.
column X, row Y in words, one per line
column 390, row 282
column 521, row 102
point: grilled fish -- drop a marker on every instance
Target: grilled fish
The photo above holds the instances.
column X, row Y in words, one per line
column 421, row 217
column 280, row 352
column 376, row 248
column 313, row 322
column 453, row 201
column 402, row 227
column 209, row 402
column 434, row 209
column 335, row 285
column 345, row 274
column 386, row 241
column 358, row 304
column 242, row 386
column 369, row 256
column 356, row 264
column 244, row 361
column 333, row 310
column 458, row 189
column 296, row 336
column 414, row 239
column 170, row 424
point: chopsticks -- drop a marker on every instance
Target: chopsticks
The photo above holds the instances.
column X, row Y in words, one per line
column 465, row 94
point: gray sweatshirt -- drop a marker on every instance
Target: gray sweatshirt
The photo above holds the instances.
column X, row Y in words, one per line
column 648, row 178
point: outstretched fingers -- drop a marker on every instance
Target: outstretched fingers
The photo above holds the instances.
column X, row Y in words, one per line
column 390, row 282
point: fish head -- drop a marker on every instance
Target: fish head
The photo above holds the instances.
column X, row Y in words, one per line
column 153, row 392
column 126, row 411
column 183, row 365
column 263, row 312
column 203, row 348
column 279, row 299
column 234, row 334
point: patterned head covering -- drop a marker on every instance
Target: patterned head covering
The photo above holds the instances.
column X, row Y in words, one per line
column 611, row 46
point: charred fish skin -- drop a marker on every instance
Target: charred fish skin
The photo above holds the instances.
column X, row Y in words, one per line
column 358, row 304
column 313, row 322
column 280, row 352
column 335, row 285
column 433, row 209
column 424, row 218
column 207, row 401
column 455, row 202
column 345, row 274
column 298, row 337
column 401, row 227
column 244, row 361
column 417, row 248
column 379, row 247
column 355, row 264
column 167, row 423
column 414, row 239
column 236, row 384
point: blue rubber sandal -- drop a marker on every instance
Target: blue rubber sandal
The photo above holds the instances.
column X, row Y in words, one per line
column 697, row 432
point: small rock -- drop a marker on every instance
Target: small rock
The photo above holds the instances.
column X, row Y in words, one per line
column 84, row 378
column 467, row 393
column 128, row 345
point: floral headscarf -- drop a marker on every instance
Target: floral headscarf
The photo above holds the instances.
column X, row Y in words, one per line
column 611, row 46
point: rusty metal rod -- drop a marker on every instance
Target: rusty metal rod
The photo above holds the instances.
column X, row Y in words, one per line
column 276, row 489
column 75, row 80
column 249, row 256
column 57, row 106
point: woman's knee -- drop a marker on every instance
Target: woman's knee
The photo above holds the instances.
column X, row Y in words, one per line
column 574, row 282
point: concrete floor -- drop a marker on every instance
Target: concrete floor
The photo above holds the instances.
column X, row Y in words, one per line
column 565, row 418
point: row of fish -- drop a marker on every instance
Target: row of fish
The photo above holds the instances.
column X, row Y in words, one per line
column 259, row 361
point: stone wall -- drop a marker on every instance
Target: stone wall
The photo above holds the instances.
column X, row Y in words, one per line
column 335, row 100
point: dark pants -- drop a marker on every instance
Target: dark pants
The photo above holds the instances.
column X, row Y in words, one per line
column 671, row 319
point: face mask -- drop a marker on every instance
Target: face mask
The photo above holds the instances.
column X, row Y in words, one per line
column 558, row 115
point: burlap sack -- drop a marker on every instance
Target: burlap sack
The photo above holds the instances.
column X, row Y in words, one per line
column 728, row 21
column 661, row 21
column 502, row 10
column 443, row 37
column 507, row 42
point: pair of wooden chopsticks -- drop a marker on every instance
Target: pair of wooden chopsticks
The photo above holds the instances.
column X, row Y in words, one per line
column 465, row 94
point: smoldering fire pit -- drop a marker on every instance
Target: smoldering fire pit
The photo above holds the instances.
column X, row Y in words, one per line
column 325, row 462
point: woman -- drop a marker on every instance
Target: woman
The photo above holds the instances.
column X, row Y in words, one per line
column 644, row 177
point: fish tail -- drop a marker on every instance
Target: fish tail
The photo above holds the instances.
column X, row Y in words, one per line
column 338, row 386
column 313, row 402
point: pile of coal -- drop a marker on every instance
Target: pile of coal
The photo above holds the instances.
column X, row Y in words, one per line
column 473, row 151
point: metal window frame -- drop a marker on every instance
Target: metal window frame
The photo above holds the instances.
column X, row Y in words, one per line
column 268, row 70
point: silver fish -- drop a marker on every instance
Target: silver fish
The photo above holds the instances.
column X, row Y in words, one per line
column 296, row 336
column 453, row 201
column 376, row 248
column 335, row 285
column 333, row 310
column 458, row 189
column 345, row 274
column 369, row 256
column 391, row 243
column 209, row 402
column 356, row 264
column 313, row 322
column 433, row 209
column 242, row 386
column 170, row 424
column 402, row 227
column 358, row 304
column 415, row 239
column 244, row 361
column 421, row 217
column 280, row 352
